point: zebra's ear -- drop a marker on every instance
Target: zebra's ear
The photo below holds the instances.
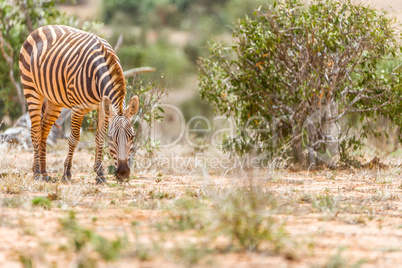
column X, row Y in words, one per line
column 107, row 107
column 132, row 108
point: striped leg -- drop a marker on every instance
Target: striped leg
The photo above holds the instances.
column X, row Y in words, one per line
column 99, row 140
column 51, row 114
column 35, row 102
column 76, row 120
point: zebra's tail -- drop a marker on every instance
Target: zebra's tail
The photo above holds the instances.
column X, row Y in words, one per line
column 43, row 112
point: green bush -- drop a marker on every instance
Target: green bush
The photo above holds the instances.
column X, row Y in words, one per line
column 295, row 72
column 43, row 202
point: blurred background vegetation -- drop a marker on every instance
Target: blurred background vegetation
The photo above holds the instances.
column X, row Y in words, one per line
column 166, row 34
column 170, row 34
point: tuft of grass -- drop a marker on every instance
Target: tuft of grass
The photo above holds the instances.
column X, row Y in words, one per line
column 11, row 184
column 87, row 262
column 83, row 239
column 109, row 250
column 26, row 261
column 13, row 202
column 244, row 215
column 160, row 195
column 43, row 202
column 189, row 255
column 184, row 214
column 338, row 261
column 55, row 195
column 306, row 198
column 325, row 203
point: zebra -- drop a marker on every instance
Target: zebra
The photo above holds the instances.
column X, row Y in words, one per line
column 61, row 66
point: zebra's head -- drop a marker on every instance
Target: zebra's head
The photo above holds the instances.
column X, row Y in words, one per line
column 121, row 134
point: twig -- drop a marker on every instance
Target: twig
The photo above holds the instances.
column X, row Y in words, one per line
column 140, row 70
column 118, row 43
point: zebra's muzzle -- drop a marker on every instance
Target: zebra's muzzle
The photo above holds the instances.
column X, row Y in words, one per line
column 123, row 170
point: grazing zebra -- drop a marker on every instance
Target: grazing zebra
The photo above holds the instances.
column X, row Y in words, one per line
column 64, row 67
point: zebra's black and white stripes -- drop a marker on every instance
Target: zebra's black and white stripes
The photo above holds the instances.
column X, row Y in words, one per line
column 78, row 70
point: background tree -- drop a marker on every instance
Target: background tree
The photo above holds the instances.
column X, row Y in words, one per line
column 300, row 72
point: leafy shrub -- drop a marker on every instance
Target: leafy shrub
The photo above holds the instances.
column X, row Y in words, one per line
column 295, row 73
column 151, row 95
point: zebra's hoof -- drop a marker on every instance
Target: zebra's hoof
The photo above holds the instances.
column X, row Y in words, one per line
column 46, row 178
column 66, row 178
column 101, row 180
column 40, row 177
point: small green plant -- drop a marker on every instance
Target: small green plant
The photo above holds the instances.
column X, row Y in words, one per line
column 325, row 203
column 184, row 214
column 111, row 169
column 190, row 255
column 108, row 249
column 43, row 202
column 160, row 195
column 26, row 261
column 338, row 261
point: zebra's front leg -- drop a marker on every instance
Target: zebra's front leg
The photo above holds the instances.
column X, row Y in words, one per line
column 51, row 114
column 99, row 139
column 76, row 120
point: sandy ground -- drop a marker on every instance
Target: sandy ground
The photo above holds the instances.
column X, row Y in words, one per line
column 361, row 222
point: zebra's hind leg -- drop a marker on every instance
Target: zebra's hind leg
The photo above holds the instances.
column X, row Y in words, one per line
column 35, row 102
column 76, row 120
column 50, row 116
column 99, row 139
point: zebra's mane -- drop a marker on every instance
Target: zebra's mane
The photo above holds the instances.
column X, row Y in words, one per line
column 116, row 72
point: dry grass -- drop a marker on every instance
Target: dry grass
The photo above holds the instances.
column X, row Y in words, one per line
column 247, row 218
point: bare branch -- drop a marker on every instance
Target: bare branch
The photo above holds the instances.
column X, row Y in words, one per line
column 368, row 109
column 22, row 4
column 118, row 43
column 140, row 70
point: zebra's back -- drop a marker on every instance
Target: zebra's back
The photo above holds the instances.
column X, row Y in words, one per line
column 68, row 67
